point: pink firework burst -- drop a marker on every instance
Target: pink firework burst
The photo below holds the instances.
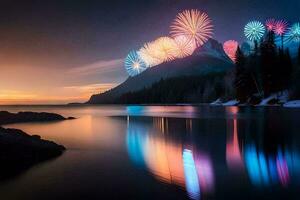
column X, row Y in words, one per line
column 185, row 46
column 230, row 48
column 280, row 27
column 270, row 24
column 193, row 24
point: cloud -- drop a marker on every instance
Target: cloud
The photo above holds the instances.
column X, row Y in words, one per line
column 100, row 67
column 91, row 88
column 74, row 85
column 15, row 94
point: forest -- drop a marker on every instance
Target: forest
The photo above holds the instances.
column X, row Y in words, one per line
column 266, row 70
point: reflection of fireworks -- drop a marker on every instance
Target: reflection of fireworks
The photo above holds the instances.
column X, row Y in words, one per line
column 270, row 24
column 193, row 24
column 280, row 27
column 230, row 48
column 254, row 30
column 294, row 33
column 134, row 64
column 148, row 54
column 185, row 46
column 165, row 49
column 190, row 173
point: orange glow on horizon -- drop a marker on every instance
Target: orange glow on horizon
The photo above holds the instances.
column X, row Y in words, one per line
column 60, row 95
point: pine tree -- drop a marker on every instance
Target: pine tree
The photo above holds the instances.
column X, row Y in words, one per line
column 256, row 49
column 269, row 64
column 243, row 82
column 298, row 56
column 239, row 70
column 280, row 81
column 296, row 78
column 287, row 69
column 254, row 68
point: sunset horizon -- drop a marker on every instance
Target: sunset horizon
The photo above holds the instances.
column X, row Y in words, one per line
column 149, row 99
column 58, row 53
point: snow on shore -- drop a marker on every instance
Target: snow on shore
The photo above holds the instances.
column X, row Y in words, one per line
column 292, row 104
column 231, row 103
column 217, row 102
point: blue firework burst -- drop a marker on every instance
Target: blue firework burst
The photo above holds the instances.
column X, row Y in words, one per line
column 293, row 33
column 134, row 64
column 254, row 30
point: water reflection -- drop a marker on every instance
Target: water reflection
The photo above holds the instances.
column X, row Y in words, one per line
column 265, row 155
column 168, row 158
column 190, row 172
column 267, row 169
column 189, row 153
column 233, row 151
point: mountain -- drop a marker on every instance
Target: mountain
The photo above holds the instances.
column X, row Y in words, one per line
column 208, row 59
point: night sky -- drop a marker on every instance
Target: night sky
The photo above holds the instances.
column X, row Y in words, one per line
column 62, row 51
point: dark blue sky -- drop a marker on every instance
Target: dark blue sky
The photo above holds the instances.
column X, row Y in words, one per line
column 72, row 34
column 92, row 30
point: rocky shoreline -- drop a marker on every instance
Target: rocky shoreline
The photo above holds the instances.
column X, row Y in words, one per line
column 19, row 150
column 20, row 117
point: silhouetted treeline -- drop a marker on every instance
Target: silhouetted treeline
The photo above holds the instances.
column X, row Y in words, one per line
column 268, row 69
column 185, row 89
column 296, row 78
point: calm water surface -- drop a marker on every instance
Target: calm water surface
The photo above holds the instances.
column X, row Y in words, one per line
column 164, row 152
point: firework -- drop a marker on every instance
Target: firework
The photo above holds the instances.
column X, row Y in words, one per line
column 280, row 27
column 194, row 25
column 270, row 24
column 134, row 64
column 165, row 49
column 185, row 46
column 148, row 53
column 294, row 33
column 230, row 48
column 254, row 30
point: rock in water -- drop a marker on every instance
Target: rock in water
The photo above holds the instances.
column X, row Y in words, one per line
column 19, row 151
column 9, row 118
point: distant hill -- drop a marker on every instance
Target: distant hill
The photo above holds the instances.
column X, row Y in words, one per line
column 209, row 59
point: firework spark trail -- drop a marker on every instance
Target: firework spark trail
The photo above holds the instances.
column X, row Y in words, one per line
column 193, row 24
column 134, row 64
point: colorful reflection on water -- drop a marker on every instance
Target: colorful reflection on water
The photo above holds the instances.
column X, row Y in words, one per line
column 170, row 161
column 190, row 172
column 165, row 152
column 267, row 169
column 174, row 152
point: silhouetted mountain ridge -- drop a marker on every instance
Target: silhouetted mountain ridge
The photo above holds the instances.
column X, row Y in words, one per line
column 209, row 59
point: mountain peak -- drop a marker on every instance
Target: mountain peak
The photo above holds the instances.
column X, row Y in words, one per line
column 212, row 48
column 210, row 58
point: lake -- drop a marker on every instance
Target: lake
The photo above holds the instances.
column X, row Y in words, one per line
column 164, row 152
